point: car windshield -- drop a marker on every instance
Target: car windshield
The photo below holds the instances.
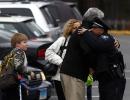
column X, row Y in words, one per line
column 30, row 28
column 35, row 29
column 8, row 27
column 18, row 11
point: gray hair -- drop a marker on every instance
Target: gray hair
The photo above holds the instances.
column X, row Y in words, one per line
column 93, row 12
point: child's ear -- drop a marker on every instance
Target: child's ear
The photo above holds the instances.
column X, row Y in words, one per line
column 17, row 45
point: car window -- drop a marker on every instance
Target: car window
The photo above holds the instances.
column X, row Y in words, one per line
column 2, row 40
column 76, row 13
column 9, row 27
column 49, row 17
column 34, row 28
column 5, row 36
column 17, row 11
column 60, row 15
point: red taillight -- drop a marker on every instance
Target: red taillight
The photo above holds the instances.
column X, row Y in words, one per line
column 41, row 53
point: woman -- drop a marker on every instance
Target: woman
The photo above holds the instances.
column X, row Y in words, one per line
column 52, row 56
column 19, row 44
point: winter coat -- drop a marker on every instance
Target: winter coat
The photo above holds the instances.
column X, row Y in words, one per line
column 75, row 60
column 18, row 61
column 52, row 56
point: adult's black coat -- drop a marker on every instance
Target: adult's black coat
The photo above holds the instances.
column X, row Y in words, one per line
column 75, row 63
column 80, row 54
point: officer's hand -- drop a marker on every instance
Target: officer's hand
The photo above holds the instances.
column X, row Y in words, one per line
column 82, row 30
column 116, row 43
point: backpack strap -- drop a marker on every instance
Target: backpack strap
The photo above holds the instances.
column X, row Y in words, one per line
column 63, row 47
column 10, row 57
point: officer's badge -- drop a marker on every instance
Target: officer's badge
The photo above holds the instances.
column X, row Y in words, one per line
column 105, row 37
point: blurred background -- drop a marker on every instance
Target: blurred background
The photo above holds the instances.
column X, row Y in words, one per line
column 116, row 11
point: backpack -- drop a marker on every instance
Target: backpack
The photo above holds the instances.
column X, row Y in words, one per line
column 110, row 64
column 7, row 65
column 116, row 61
column 8, row 75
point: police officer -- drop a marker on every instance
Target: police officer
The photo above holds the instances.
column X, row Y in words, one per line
column 105, row 59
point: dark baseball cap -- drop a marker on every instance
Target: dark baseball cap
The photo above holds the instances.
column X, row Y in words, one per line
column 100, row 24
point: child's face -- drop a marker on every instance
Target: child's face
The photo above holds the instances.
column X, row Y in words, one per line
column 22, row 45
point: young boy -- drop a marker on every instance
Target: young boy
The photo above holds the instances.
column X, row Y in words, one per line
column 19, row 44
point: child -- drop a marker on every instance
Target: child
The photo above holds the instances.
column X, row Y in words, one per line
column 19, row 44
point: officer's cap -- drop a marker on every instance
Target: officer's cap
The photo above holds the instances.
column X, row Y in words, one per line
column 99, row 23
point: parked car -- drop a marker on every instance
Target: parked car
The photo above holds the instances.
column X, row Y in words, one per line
column 35, row 52
column 24, row 25
column 75, row 10
column 72, row 5
column 33, row 10
column 52, row 13
column 60, row 11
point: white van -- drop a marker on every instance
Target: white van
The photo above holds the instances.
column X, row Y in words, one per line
column 34, row 10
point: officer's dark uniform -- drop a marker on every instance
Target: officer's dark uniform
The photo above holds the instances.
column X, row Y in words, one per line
column 107, row 62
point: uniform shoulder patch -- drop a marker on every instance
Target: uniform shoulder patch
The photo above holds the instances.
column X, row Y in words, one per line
column 104, row 37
